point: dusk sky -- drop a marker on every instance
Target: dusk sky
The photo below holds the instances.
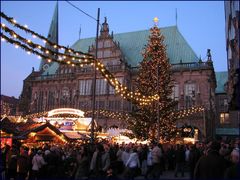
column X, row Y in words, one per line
column 201, row 23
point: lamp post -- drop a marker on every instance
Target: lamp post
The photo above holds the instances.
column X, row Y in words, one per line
column 94, row 82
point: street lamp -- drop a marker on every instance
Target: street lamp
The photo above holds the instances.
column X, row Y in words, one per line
column 94, row 82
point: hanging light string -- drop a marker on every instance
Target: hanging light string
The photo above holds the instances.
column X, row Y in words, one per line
column 119, row 88
column 126, row 116
column 27, row 30
column 187, row 112
column 51, row 56
column 111, row 114
column 28, row 49
column 45, row 50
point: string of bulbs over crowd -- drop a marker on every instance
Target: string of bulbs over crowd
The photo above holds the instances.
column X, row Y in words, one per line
column 77, row 58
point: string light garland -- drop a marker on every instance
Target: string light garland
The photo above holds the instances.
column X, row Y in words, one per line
column 61, row 56
column 75, row 60
column 32, row 51
column 125, row 116
column 36, row 115
column 55, row 46
column 119, row 88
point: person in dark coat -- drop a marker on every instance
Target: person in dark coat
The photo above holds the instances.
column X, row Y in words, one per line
column 22, row 164
column 233, row 171
column 96, row 162
column 180, row 160
column 171, row 158
column 4, row 154
column 211, row 165
column 193, row 158
column 12, row 164
column 83, row 164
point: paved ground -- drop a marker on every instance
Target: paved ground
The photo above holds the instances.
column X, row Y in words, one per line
column 168, row 175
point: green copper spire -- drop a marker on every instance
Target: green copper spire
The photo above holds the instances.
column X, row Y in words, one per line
column 53, row 37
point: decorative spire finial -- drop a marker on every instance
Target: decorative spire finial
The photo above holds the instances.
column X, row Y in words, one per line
column 209, row 55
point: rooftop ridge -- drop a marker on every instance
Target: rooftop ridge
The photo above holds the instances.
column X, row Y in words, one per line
column 166, row 27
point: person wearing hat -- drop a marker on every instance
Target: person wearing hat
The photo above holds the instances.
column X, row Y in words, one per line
column 211, row 165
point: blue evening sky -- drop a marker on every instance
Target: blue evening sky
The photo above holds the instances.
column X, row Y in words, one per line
column 202, row 23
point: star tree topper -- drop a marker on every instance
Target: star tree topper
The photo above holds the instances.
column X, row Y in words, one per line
column 156, row 20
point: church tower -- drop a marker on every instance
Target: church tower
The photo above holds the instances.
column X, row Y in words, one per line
column 46, row 67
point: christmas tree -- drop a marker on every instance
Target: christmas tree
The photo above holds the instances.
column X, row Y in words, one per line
column 154, row 121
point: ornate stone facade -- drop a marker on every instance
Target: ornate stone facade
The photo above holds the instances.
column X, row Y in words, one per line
column 232, row 23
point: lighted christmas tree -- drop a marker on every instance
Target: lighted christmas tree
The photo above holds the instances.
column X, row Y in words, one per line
column 154, row 77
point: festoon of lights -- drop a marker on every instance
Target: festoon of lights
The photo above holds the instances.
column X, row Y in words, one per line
column 125, row 116
column 36, row 115
column 112, row 114
column 77, row 58
column 45, row 53
column 78, row 61
column 45, row 40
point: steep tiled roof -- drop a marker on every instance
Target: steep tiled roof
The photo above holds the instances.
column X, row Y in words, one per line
column 132, row 44
column 221, row 78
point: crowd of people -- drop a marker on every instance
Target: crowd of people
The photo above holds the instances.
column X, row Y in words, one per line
column 104, row 160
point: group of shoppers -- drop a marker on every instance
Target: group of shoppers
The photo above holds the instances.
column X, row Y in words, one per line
column 104, row 160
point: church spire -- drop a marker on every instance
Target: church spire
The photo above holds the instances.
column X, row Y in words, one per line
column 52, row 34
column 176, row 16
